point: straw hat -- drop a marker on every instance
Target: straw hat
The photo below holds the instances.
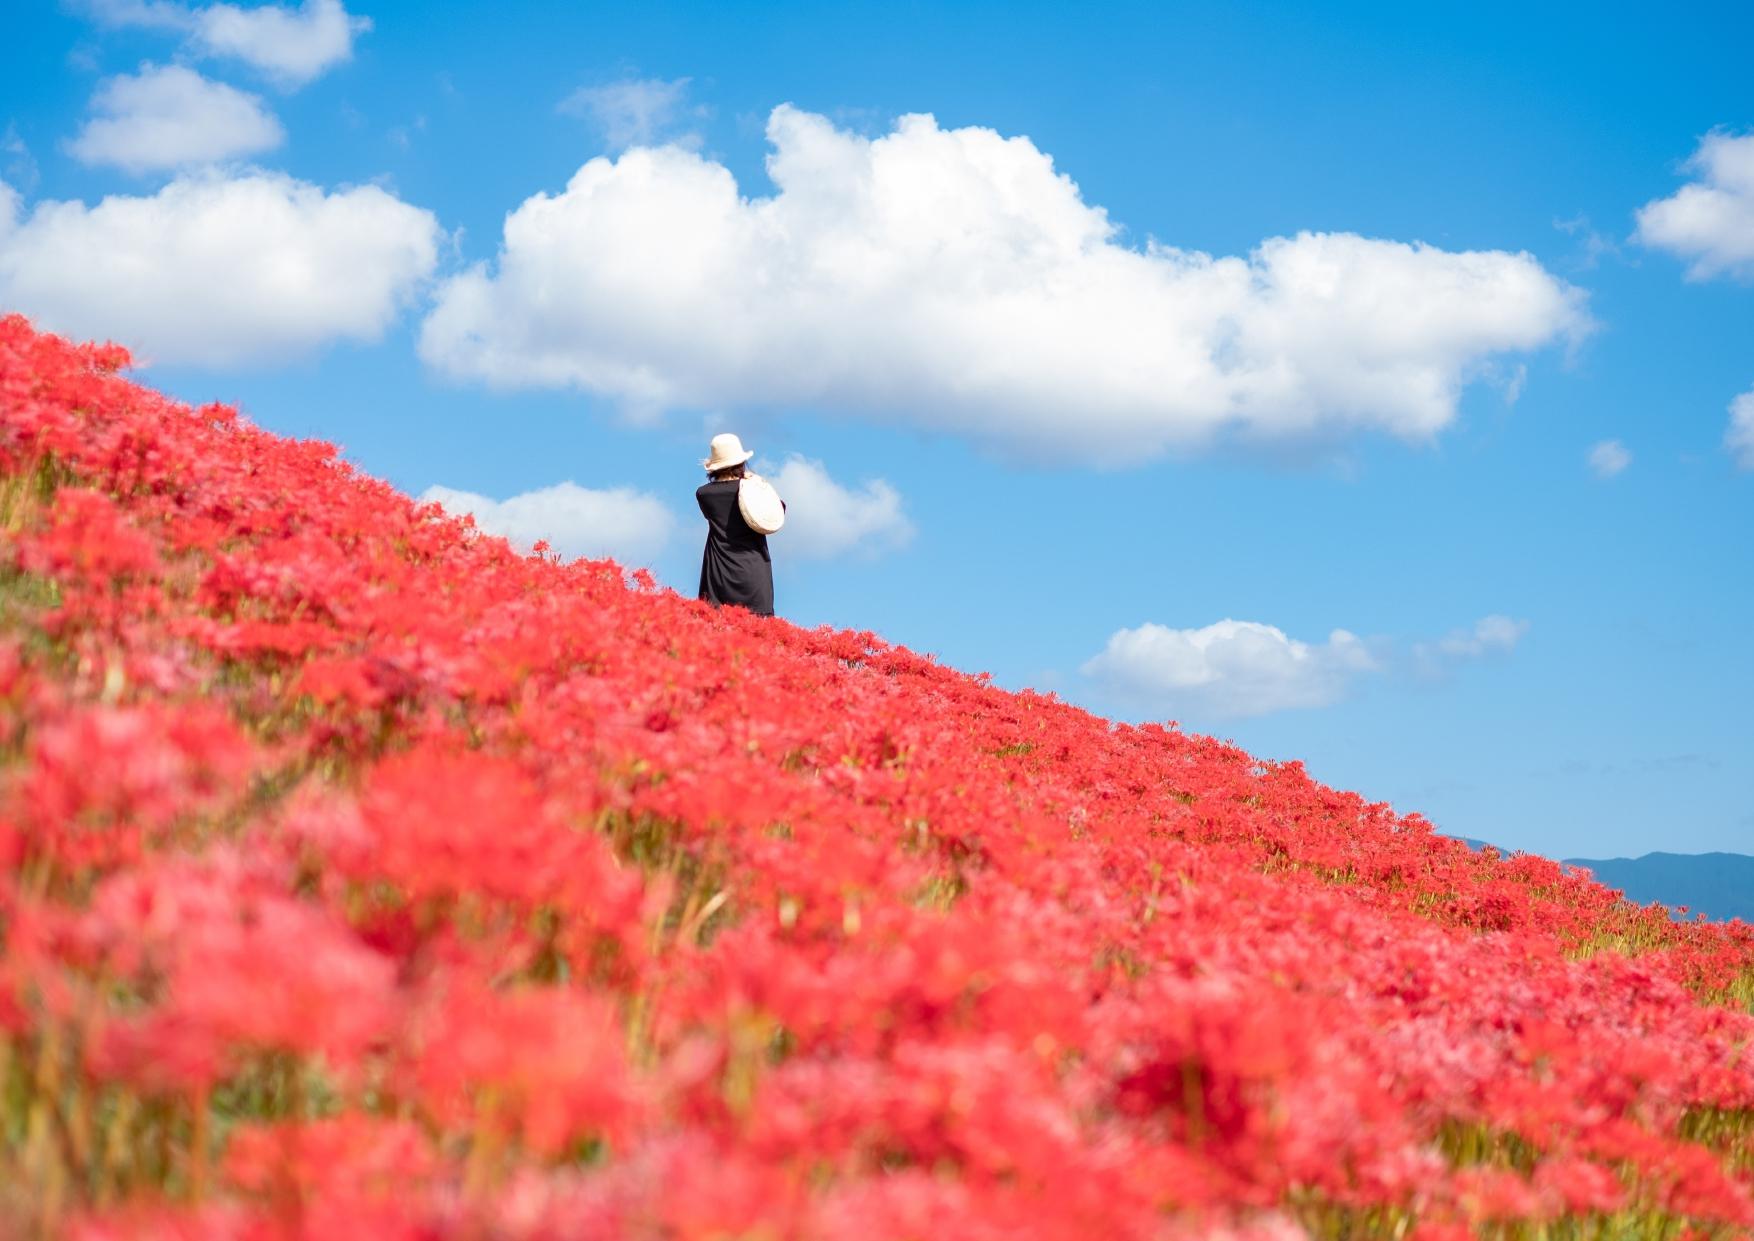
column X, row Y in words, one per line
column 727, row 451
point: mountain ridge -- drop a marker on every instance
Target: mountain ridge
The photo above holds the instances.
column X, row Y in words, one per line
column 1718, row 884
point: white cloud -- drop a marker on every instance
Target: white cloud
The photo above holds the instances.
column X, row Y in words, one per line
column 953, row 279
column 148, row 14
column 1242, row 668
column 217, row 271
column 170, row 117
column 291, row 45
column 1739, row 439
column 1710, row 220
column 1489, row 637
column 1514, row 385
column 631, row 112
column 825, row 519
column 627, row 525
column 1232, row 668
column 1608, row 458
column 1592, row 246
column 20, row 165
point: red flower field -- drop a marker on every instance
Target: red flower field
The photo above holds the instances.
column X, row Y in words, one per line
column 360, row 877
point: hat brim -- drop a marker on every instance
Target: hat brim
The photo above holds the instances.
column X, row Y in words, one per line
column 712, row 464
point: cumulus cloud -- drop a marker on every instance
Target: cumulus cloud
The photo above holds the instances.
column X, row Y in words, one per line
column 219, row 271
column 953, row 279
column 1244, row 668
column 1608, row 458
column 170, row 117
column 1710, row 220
column 1232, row 668
column 290, row 45
column 1739, row 439
column 825, row 519
column 621, row 523
column 633, row 111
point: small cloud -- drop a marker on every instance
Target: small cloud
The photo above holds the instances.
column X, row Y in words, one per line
column 1513, row 387
column 620, row 523
column 172, row 117
column 1489, row 637
column 634, row 111
column 84, row 57
column 145, row 14
column 1244, row 668
column 11, row 206
column 402, row 136
column 1739, row 439
column 1231, row 668
column 1710, row 220
column 20, row 166
column 290, row 45
column 1608, row 458
column 825, row 519
column 1592, row 245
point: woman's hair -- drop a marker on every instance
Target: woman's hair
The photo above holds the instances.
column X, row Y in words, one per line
column 729, row 472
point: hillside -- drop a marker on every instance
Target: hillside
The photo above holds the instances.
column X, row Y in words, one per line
column 363, row 877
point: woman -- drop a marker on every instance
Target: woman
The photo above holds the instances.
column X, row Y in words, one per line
column 735, row 567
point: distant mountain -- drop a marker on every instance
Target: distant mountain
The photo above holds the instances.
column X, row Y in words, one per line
column 1718, row 885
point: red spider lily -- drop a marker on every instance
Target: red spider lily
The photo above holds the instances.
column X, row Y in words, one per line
column 101, row 782
column 350, row 1156
column 88, row 542
column 230, row 966
column 573, row 908
column 541, row 1065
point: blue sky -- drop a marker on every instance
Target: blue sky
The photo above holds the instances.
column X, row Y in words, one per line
column 1030, row 442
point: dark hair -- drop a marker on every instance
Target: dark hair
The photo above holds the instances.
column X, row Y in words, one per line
column 729, row 472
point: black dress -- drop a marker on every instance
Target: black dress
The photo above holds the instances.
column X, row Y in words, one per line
column 735, row 567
